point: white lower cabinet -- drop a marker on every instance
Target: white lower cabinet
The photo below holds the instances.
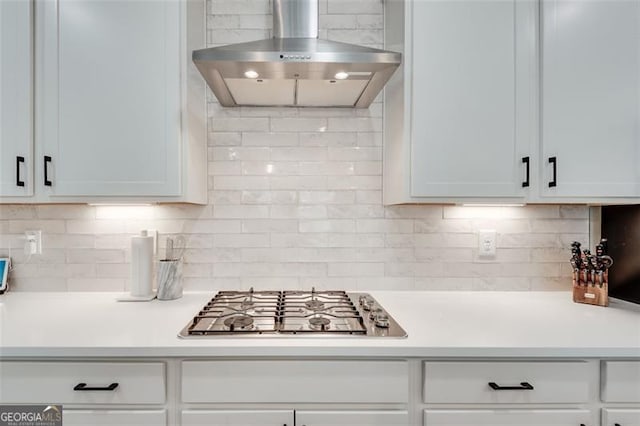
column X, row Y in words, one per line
column 620, row 417
column 620, row 381
column 366, row 382
column 352, row 418
column 91, row 393
column 328, row 392
column 237, row 418
column 114, row 417
column 82, row 383
column 506, row 382
column 507, row 417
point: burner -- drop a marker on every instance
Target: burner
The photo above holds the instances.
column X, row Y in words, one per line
column 241, row 322
column 315, row 305
column 319, row 323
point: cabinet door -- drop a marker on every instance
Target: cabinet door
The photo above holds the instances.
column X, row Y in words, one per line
column 590, row 98
column 619, row 417
column 109, row 99
column 237, row 418
column 470, row 67
column 16, row 93
column 114, row 417
column 352, row 418
column 507, row 417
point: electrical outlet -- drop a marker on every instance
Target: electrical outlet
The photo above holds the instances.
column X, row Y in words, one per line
column 487, row 243
column 33, row 242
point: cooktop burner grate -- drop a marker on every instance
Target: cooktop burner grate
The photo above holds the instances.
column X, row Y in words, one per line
column 258, row 313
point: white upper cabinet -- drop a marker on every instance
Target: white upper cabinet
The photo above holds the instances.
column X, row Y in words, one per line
column 110, row 111
column 16, row 98
column 591, row 98
column 463, row 106
column 119, row 107
column 465, row 90
column 513, row 101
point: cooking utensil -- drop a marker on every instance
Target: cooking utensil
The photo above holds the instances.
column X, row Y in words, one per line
column 175, row 248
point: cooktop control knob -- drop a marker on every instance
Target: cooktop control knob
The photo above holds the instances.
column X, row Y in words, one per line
column 367, row 303
column 381, row 320
column 375, row 311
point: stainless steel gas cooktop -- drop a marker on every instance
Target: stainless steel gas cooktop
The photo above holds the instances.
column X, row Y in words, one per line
column 292, row 313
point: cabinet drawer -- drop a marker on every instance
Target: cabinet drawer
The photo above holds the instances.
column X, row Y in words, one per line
column 45, row 382
column 611, row 417
column 114, row 417
column 469, row 382
column 621, row 381
column 295, row 381
column 507, row 417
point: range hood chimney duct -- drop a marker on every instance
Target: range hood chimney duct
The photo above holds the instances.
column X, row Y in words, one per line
column 295, row 18
column 295, row 68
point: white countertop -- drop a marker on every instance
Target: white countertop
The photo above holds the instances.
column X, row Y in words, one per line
column 439, row 324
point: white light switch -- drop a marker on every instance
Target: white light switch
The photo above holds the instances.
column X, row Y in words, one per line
column 487, row 243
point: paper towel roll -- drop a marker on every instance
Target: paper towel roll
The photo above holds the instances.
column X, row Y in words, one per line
column 142, row 265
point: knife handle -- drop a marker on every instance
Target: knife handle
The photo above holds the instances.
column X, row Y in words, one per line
column 523, row 386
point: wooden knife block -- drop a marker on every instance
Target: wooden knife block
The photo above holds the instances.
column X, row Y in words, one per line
column 589, row 293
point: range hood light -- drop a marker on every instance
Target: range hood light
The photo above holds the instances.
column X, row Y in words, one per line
column 342, row 75
column 251, row 74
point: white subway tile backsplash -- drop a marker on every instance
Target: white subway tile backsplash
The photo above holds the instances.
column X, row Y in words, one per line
column 241, row 240
column 270, row 139
column 240, row 183
column 298, row 182
column 362, row 36
column 93, row 226
column 225, row 138
column 241, row 212
column 298, row 124
column 358, row 124
column 354, row 6
column 224, row 168
column 354, row 182
column 299, row 154
column 46, row 226
column 338, row 21
column 356, row 269
column 8, row 212
column 333, row 225
column 238, row 7
column 327, row 197
column 328, row 139
column 239, row 124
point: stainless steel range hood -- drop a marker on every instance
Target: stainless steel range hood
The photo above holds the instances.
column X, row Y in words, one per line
column 295, row 68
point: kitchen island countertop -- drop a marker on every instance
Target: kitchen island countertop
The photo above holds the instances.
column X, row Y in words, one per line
column 439, row 324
